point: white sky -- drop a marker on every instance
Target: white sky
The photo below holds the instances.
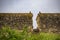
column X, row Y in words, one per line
column 30, row 5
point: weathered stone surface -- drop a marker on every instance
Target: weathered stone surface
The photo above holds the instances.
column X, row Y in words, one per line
column 17, row 20
column 49, row 22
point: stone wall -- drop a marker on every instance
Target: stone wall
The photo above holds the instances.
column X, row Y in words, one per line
column 49, row 22
column 16, row 20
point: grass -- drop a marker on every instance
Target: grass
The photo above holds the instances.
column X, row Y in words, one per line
column 6, row 33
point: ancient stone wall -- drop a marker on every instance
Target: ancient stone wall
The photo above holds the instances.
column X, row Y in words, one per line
column 16, row 20
column 49, row 22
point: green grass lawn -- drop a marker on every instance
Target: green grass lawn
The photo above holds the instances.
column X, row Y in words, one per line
column 7, row 33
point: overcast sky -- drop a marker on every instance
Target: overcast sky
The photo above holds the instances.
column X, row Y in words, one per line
column 30, row 5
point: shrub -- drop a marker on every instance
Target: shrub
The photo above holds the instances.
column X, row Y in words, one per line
column 6, row 33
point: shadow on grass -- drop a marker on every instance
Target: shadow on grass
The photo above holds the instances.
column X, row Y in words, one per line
column 58, row 39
